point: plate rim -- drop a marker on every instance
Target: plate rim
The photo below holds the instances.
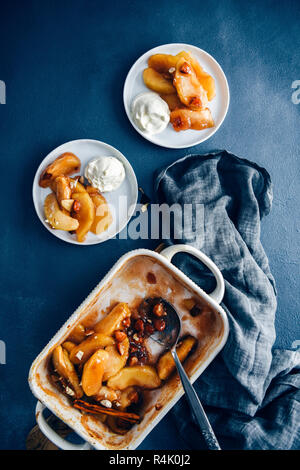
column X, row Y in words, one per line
column 148, row 137
column 131, row 207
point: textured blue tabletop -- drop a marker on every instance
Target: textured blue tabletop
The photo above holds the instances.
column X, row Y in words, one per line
column 64, row 64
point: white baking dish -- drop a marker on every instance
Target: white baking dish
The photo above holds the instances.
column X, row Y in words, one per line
column 211, row 329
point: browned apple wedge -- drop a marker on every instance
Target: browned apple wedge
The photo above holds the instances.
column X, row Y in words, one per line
column 183, row 119
column 64, row 367
column 166, row 364
column 56, row 217
column 103, row 217
column 190, row 91
column 84, row 211
column 162, row 63
column 66, row 164
column 76, row 186
column 83, row 351
column 116, row 360
column 141, row 376
column 113, row 321
column 62, row 189
column 93, row 372
column 156, row 82
column 204, row 78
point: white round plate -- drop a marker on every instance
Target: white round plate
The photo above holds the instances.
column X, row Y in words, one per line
column 122, row 201
column 169, row 138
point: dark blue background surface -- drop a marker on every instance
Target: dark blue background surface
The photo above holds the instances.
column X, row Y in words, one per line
column 64, row 64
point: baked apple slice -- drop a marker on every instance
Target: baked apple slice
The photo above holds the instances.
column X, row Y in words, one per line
column 103, row 217
column 204, row 78
column 78, row 334
column 93, row 370
column 83, row 351
column 76, row 186
column 166, row 364
column 116, row 360
column 140, row 376
column 58, row 219
column 190, row 91
column 163, row 63
column 183, row 119
column 156, row 82
column 84, row 211
column 64, row 367
column 113, row 321
column 62, row 189
column 66, row 164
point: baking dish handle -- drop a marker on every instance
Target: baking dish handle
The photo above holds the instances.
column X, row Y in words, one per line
column 218, row 293
column 52, row 435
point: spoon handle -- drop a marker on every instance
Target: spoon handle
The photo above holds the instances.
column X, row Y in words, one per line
column 196, row 406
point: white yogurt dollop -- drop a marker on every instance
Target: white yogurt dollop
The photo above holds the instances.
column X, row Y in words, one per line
column 105, row 173
column 150, row 112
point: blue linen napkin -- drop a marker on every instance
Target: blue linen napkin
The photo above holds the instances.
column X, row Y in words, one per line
column 250, row 391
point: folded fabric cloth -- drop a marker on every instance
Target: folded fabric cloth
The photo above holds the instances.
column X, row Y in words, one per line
column 250, row 392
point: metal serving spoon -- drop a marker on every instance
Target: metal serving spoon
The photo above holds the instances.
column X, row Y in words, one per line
column 168, row 338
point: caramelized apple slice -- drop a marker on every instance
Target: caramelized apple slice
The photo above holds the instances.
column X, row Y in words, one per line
column 183, row 119
column 116, row 360
column 68, row 346
column 113, row 321
column 103, row 217
column 65, row 368
column 78, row 334
column 57, row 218
column 162, row 63
column 85, row 214
column 204, row 78
column 76, row 186
column 156, row 82
column 141, row 376
column 172, row 101
column 93, row 372
column 166, row 364
column 83, row 351
column 190, row 91
column 61, row 187
column 66, row 164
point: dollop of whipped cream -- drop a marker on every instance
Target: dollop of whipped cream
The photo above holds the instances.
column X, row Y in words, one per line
column 105, row 173
column 150, row 112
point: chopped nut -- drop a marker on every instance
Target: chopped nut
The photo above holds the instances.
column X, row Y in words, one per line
column 120, row 336
column 149, row 329
column 76, row 206
column 139, row 325
column 70, row 392
column 79, row 355
column 121, row 348
column 159, row 310
column 106, row 403
column 133, row 360
column 185, row 68
column 126, row 322
column 89, row 332
column 137, row 338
